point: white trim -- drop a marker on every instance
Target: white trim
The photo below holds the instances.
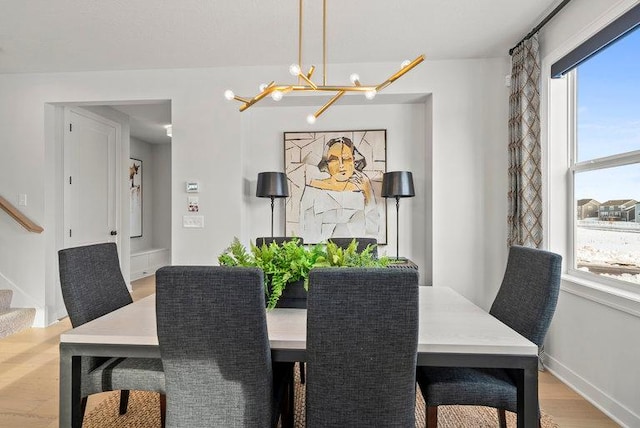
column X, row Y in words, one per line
column 619, row 159
column 15, row 287
column 621, row 414
column 611, row 296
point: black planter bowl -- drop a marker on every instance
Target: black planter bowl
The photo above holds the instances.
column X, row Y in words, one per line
column 293, row 296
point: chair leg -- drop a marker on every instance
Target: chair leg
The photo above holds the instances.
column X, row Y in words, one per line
column 83, row 408
column 502, row 418
column 302, row 376
column 124, row 401
column 286, row 407
column 432, row 417
column 163, row 410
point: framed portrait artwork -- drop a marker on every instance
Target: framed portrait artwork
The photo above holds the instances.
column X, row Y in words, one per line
column 135, row 195
column 335, row 179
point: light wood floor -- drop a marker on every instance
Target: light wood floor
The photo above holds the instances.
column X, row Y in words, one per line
column 29, row 373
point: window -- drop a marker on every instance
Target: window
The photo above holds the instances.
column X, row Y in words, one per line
column 605, row 164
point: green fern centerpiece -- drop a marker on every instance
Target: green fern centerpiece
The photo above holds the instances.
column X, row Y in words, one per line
column 290, row 263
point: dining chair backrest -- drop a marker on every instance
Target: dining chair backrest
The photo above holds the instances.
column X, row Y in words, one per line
column 214, row 346
column 362, row 335
column 91, row 281
column 92, row 286
column 363, row 243
column 266, row 240
column 526, row 300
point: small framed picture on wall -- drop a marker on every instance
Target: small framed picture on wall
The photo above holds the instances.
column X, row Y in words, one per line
column 135, row 202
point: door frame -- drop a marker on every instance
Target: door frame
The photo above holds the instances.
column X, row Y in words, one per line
column 57, row 122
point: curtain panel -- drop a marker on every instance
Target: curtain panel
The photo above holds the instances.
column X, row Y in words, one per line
column 525, row 173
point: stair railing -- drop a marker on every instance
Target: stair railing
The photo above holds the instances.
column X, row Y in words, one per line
column 18, row 216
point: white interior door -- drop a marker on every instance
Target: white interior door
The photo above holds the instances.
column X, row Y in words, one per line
column 90, row 200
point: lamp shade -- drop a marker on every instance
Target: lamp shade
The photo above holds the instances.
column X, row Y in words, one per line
column 272, row 185
column 397, row 184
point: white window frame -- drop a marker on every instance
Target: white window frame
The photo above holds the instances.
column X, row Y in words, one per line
column 622, row 159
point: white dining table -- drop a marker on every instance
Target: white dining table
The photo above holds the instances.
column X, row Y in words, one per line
column 453, row 332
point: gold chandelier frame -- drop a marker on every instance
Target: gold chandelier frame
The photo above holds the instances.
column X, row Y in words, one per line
column 305, row 84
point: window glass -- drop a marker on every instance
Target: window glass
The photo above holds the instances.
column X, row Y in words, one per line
column 608, row 94
column 607, row 191
column 607, row 233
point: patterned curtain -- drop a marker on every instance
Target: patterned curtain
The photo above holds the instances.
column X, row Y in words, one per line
column 525, row 175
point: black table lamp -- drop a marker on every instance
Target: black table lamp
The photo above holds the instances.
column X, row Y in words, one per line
column 272, row 185
column 397, row 184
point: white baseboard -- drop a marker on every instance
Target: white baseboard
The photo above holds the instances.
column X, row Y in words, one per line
column 146, row 263
column 145, row 273
column 604, row 402
column 39, row 320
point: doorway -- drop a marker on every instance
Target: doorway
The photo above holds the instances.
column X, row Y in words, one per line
column 94, row 144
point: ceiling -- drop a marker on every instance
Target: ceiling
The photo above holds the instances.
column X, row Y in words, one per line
column 81, row 35
column 147, row 121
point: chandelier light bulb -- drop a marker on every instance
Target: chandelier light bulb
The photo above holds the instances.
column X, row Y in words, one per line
column 294, row 69
column 354, row 78
column 370, row 94
column 311, row 119
column 405, row 63
column 262, row 87
column 228, row 94
column 276, row 95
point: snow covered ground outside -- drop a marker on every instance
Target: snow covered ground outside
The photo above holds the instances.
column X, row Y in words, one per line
column 612, row 247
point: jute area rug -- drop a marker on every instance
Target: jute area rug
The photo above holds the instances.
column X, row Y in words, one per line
column 144, row 412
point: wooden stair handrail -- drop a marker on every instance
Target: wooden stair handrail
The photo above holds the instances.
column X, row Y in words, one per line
column 19, row 217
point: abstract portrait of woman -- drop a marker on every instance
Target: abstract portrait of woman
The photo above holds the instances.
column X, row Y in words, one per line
column 338, row 197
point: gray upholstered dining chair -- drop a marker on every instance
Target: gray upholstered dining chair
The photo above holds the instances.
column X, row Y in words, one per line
column 362, row 244
column 362, row 338
column 92, row 286
column 212, row 332
column 525, row 302
column 277, row 239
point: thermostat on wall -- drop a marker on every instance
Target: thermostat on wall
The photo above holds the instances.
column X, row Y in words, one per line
column 192, row 186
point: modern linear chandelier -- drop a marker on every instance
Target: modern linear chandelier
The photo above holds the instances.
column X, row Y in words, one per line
column 277, row 91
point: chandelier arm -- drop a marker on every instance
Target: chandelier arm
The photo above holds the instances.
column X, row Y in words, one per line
column 400, row 73
column 335, row 98
column 311, row 70
column 258, row 97
column 306, row 79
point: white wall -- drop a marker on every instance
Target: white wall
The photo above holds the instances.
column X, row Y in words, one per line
column 592, row 343
column 407, row 148
column 156, row 195
column 469, row 140
column 161, row 195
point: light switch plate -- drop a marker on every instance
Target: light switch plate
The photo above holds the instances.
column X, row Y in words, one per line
column 22, row 199
column 192, row 187
column 193, row 221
